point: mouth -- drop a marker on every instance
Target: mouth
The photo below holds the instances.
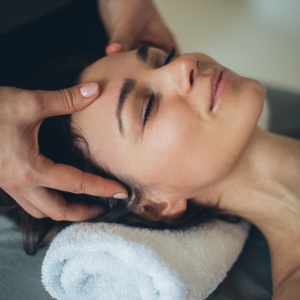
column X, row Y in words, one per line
column 216, row 78
column 219, row 82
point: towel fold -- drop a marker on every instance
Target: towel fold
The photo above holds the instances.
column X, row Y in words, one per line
column 89, row 261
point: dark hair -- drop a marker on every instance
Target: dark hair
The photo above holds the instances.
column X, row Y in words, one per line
column 63, row 144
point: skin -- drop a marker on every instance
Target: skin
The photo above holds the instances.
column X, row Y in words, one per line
column 131, row 22
column 30, row 178
column 182, row 127
column 190, row 152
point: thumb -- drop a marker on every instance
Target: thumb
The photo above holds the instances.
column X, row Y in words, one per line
column 67, row 101
column 123, row 39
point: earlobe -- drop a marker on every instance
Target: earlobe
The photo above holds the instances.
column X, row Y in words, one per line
column 174, row 208
column 153, row 210
column 159, row 209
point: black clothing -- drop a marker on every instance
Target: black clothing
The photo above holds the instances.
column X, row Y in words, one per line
column 73, row 29
column 15, row 13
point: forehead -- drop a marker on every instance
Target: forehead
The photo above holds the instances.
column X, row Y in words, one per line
column 121, row 65
column 110, row 73
column 98, row 121
column 108, row 69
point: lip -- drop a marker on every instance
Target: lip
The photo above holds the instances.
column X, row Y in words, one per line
column 220, row 81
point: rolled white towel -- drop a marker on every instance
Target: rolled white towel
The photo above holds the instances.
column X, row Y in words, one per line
column 89, row 261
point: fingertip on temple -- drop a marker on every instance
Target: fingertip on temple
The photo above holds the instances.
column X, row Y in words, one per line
column 89, row 89
column 120, row 196
column 113, row 48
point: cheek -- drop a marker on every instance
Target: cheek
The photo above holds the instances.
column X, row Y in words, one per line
column 186, row 152
column 182, row 150
column 170, row 145
column 174, row 132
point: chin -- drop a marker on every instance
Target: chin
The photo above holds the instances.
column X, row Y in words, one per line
column 254, row 94
column 260, row 90
column 257, row 88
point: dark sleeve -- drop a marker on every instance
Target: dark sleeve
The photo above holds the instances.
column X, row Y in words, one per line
column 74, row 29
column 15, row 13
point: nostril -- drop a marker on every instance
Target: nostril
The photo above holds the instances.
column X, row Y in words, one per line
column 192, row 77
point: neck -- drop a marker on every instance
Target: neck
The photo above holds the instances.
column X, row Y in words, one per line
column 264, row 188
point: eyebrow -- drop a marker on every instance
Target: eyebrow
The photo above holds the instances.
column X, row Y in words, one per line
column 128, row 86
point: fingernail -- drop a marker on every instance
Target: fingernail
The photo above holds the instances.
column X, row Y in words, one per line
column 89, row 89
column 120, row 196
column 115, row 47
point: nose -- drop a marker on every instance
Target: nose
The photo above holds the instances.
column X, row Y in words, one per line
column 181, row 72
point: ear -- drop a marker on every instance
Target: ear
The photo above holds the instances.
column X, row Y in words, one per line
column 162, row 208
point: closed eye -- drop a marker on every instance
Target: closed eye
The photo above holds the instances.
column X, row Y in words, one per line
column 149, row 108
column 170, row 56
column 152, row 98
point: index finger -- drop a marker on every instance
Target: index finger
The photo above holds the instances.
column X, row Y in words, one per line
column 70, row 179
column 66, row 101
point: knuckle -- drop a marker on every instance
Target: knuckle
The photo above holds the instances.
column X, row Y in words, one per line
column 18, row 174
column 6, row 186
column 78, row 186
column 25, row 176
column 14, row 188
column 68, row 100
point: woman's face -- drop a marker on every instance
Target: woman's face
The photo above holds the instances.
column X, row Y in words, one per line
column 175, row 127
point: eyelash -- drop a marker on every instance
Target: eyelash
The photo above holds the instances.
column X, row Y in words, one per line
column 170, row 56
column 152, row 98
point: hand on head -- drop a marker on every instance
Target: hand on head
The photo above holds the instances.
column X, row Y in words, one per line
column 29, row 177
column 132, row 22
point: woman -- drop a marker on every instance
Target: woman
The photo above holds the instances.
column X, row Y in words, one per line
column 181, row 133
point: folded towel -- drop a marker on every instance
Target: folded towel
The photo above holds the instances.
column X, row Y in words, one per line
column 108, row 261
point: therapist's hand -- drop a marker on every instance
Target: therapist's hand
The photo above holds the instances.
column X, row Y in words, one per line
column 28, row 176
column 132, row 22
